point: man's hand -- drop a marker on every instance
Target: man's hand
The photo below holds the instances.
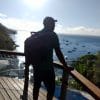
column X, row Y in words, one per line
column 68, row 68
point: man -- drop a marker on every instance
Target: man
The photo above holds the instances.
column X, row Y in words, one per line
column 44, row 71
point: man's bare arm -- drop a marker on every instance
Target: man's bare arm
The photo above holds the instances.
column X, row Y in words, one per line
column 60, row 56
column 62, row 60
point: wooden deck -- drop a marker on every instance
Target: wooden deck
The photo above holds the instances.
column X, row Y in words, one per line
column 11, row 89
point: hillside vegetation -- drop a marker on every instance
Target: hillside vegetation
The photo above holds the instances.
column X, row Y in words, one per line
column 88, row 66
column 6, row 41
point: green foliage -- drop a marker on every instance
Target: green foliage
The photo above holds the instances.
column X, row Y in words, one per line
column 6, row 42
column 74, row 84
column 86, row 65
column 58, row 82
column 97, row 70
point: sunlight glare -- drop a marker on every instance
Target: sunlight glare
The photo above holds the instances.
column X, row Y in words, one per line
column 35, row 3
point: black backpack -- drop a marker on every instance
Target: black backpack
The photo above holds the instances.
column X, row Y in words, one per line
column 36, row 50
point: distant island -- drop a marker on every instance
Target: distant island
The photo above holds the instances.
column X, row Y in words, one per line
column 6, row 42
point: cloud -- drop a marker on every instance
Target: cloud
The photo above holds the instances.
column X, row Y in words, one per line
column 82, row 30
column 79, row 30
column 31, row 25
column 3, row 15
column 21, row 24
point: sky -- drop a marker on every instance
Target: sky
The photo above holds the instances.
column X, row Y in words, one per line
column 74, row 16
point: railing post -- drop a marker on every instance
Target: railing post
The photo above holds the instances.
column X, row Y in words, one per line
column 64, row 85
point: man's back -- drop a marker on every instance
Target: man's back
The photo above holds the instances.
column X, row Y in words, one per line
column 42, row 47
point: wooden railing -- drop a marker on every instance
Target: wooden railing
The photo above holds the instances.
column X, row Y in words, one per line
column 91, row 88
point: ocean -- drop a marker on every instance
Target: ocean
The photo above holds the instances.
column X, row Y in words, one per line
column 72, row 46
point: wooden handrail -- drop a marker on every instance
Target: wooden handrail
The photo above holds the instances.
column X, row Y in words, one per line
column 92, row 89
column 11, row 53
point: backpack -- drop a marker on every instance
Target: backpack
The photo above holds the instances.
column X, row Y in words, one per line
column 36, row 50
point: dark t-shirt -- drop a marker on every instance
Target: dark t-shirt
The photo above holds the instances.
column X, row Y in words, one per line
column 48, row 40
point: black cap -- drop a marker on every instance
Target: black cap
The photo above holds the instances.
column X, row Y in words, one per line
column 49, row 20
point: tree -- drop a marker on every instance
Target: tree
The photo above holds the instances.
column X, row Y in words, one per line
column 6, row 41
column 86, row 65
column 97, row 70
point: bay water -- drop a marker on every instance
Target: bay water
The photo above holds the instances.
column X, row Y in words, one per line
column 72, row 46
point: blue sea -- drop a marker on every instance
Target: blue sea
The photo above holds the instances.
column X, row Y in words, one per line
column 72, row 46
